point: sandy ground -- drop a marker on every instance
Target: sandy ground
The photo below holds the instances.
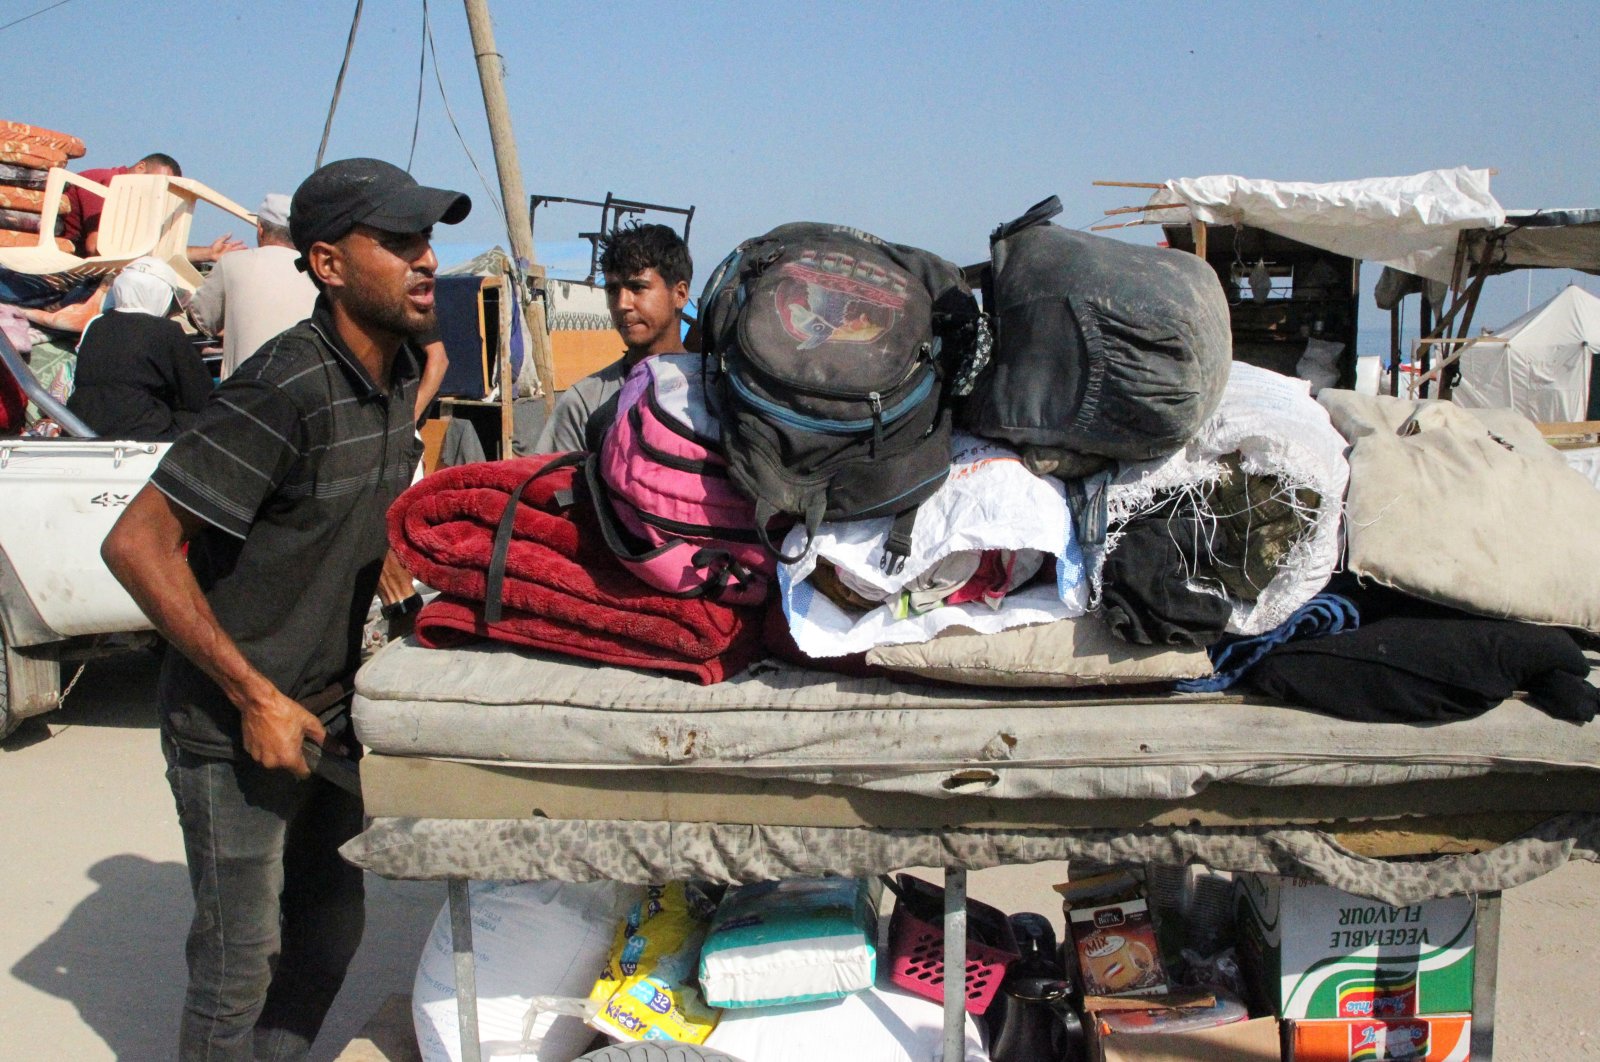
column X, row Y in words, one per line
column 97, row 904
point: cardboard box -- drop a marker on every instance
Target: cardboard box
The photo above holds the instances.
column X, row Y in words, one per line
column 1438, row 1039
column 1117, row 950
column 1256, row 1040
column 1311, row 951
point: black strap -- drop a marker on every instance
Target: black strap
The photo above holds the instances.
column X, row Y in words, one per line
column 1037, row 214
column 495, row 582
column 766, row 512
column 897, row 547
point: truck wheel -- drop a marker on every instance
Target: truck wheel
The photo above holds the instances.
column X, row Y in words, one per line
column 655, row 1051
column 29, row 686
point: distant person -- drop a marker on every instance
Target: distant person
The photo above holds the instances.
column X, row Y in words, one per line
column 81, row 224
column 255, row 549
column 251, row 296
column 647, row 270
column 139, row 377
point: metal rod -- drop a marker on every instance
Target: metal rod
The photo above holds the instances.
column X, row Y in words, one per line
column 1485, row 975
column 955, row 965
column 466, row 970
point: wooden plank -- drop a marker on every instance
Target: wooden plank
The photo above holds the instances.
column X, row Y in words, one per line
column 1129, row 184
column 433, row 433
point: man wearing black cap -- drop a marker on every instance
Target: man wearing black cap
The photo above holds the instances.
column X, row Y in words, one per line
column 279, row 494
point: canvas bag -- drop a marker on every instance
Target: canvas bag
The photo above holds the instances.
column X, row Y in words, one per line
column 833, row 346
column 1101, row 347
column 662, row 491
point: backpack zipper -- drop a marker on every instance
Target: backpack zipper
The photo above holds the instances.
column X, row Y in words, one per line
column 923, row 357
column 875, row 423
column 673, row 461
column 683, row 530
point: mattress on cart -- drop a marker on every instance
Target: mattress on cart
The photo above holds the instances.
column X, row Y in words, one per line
column 494, row 704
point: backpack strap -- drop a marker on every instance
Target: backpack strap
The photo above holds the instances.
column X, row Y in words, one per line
column 494, row 584
column 766, row 512
column 897, row 547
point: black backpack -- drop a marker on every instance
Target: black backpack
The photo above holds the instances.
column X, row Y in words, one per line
column 834, row 346
column 1101, row 347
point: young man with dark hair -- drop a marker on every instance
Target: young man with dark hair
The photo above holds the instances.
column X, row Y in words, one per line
column 647, row 271
column 278, row 496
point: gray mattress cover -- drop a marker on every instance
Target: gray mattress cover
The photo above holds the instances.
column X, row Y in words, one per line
column 497, row 704
column 646, row 852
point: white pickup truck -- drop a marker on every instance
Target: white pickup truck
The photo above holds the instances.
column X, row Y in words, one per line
column 58, row 602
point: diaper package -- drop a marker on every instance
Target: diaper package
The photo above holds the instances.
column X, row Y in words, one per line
column 648, row 991
column 793, row 941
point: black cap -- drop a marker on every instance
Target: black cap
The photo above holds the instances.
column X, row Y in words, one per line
column 351, row 192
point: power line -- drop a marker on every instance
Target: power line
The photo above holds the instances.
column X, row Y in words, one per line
column 36, row 14
column 422, row 69
column 494, row 200
column 338, row 86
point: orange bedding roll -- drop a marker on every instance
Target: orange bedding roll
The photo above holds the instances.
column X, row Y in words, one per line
column 38, row 134
column 29, row 239
column 30, row 200
column 29, row 153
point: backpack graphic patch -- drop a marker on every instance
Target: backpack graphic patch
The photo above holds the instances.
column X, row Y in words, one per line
column 833, row 298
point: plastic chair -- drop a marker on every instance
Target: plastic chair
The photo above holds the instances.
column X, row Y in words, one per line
column 144, row 214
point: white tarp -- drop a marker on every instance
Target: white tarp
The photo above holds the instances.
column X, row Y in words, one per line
column 1411, row 223
column 1541, row 368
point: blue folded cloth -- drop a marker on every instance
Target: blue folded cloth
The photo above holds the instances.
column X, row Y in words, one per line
column 1323, row 615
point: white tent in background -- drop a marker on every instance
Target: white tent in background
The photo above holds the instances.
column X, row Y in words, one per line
column 1539, row 364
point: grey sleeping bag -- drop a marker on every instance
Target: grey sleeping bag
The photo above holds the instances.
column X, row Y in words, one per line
column 1101, row 347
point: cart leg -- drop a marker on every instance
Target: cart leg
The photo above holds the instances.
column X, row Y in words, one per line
column 1485, row 960
column 955, row 965
column 466, row 970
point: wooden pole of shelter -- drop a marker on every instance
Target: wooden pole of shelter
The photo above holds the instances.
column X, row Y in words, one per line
column 491, row 75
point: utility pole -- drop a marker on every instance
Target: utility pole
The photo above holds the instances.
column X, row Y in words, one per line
column 491, row 74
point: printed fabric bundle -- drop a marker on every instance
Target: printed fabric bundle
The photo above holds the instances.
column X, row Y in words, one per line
column 1246, row 516
column 554, row 585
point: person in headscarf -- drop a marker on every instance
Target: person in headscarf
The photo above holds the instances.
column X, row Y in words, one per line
column 138, row 375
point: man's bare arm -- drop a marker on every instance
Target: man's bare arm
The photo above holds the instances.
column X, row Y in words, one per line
column 145, row 552
column 432, row 376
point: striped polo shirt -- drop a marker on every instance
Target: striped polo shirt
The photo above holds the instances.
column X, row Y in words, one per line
column 292, row 464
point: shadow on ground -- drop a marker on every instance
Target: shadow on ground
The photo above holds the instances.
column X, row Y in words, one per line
column 118, row 957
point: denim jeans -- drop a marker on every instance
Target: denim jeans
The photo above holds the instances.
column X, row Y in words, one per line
column 278, row 914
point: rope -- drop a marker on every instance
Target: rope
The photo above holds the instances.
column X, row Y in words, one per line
column 422, row 68
column 338, row 86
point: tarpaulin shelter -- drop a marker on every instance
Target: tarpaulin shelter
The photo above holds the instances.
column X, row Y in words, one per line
column 1541, row 364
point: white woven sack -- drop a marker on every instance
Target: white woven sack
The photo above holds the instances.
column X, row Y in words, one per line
column 1277, row 428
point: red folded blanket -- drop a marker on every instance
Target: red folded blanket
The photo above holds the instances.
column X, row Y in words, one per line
column 564, row 589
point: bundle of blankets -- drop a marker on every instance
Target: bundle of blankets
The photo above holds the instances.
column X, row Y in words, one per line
column 1215, row 567
column 517, row 557
column 27, row 152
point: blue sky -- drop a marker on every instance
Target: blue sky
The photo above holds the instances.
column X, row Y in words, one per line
column 926, row 123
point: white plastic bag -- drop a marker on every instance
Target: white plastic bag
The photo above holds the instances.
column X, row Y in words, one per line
column 529, row 939
column 882, row 1024
column 990, row 501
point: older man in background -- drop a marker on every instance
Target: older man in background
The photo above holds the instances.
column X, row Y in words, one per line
column 251, row 296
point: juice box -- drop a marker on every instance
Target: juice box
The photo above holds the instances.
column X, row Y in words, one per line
column 1444, row 1038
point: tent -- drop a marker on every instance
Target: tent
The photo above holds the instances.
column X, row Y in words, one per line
column 1541, row 364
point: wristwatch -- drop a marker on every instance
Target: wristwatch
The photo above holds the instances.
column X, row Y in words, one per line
column 404, row 607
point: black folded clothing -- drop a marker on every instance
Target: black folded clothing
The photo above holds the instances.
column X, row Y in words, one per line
column 1432, row 667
